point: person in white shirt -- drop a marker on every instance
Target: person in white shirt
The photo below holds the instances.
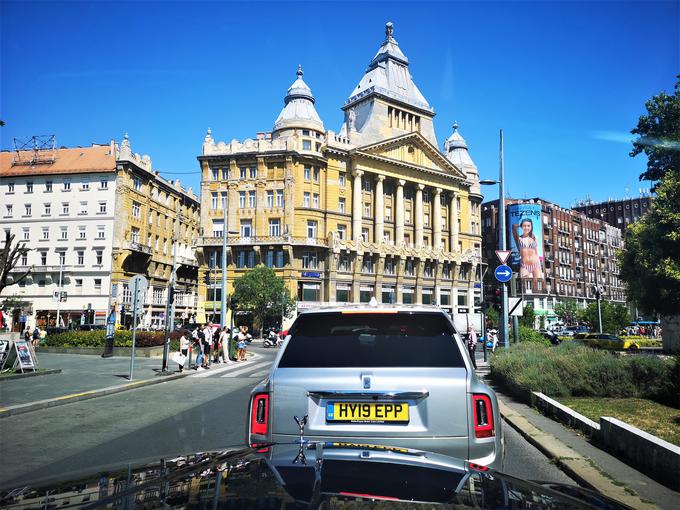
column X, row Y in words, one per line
column 207, row 344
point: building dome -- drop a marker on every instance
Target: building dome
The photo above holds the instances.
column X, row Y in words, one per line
column 456, row 149
column 299, row 111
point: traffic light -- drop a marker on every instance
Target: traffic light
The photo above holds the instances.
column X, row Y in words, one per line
column 171, row 295
column 496, row 299
column 233, row 303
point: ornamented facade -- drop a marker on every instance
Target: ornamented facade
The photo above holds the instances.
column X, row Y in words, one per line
column 94, row 217
column 374, row 210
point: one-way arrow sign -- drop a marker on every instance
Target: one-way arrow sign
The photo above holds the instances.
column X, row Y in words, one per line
column 503, row 255
column 503, row 273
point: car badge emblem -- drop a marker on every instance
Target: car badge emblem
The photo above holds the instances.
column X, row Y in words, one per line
column 366, row 382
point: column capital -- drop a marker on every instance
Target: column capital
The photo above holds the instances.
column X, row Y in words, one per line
column 401, row 182
column 438, row 191
column 380, row 177
column 420, row 186
column 357, row 173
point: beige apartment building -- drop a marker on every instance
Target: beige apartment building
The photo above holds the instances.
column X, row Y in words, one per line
column 374, row 210
column 93, row 217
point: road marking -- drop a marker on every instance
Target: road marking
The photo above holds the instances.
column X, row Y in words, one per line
column 246, row 369
column 260, row 373
column 229, row 366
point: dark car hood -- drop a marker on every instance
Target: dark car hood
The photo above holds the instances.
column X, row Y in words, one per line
column 312, row 475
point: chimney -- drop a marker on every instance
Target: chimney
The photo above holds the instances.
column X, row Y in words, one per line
column 260, row 135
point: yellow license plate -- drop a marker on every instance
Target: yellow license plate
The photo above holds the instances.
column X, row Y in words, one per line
column 367, row 412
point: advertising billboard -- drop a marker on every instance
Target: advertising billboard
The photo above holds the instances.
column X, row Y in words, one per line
column 526, row 242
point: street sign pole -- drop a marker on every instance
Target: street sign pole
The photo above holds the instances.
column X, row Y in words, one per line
column 502, row 247
column 134, row 327
column 515, row 321
column 61, row 270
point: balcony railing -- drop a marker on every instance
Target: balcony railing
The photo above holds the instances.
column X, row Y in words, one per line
column 258, row 240
column 142, row 248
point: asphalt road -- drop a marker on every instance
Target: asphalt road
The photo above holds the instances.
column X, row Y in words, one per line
column 205, row 411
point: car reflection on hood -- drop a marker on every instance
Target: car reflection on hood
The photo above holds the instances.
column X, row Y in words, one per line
column 304, row 475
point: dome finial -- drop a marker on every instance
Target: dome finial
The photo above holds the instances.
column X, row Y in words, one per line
column 455, row 125
column 389, row 29
column 299, row 71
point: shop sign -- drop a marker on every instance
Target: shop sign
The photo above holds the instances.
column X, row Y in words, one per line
column 311, row 274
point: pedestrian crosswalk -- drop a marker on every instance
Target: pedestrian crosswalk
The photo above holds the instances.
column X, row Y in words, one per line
column 252, row 368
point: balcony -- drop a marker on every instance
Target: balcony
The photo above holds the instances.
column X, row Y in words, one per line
column 187, row 261
column 262, row 240
column 138, row 247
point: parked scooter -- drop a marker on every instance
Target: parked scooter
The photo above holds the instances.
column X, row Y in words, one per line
column 272, row 339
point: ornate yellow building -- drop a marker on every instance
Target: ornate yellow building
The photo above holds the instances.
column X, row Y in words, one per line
column 156, row 224
column 375, row 210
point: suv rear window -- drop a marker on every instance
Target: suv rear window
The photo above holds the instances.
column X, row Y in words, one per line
column 404, row 339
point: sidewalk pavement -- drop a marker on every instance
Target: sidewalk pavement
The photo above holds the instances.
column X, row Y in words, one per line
column 584, row 462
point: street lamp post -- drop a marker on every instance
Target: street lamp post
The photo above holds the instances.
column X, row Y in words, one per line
column 223, row 307
column 501, row 242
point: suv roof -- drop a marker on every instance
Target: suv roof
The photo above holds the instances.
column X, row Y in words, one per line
column 372, row 308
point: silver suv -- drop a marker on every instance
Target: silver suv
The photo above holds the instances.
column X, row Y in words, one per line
column 384, row 375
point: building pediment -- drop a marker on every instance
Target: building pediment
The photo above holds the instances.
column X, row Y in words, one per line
column 412, row 150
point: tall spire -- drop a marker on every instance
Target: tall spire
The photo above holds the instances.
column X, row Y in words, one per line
column 387, row 91
column 299, row 108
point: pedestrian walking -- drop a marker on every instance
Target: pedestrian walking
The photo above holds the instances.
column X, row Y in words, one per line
column 207, row 342
column 42, row 336
column 198, row 344
column 224, row 344
column 242, row 343
column 35, row 337
column 184, row 346
column 472, row 345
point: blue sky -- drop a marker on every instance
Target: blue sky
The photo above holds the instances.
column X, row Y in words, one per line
column 565, row 80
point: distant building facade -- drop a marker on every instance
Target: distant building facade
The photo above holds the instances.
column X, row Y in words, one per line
column 618, row 213
column 574, row 253
column 93, row 217
column 375, row 210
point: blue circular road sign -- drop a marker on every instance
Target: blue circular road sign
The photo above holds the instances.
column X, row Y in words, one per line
column 503, row 273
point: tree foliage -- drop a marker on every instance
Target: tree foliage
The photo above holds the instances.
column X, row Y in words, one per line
column 10, row 253
column 528, row 317
column 614, row 317
column 260, row 291
column 650, row 262
column 659, row 135
column 568, row 311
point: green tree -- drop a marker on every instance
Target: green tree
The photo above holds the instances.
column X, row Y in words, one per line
column 493, row 317
column 528, row 318
column 650, row 261
column 262, row 293
column 614, row 317
column 659, row 135
column 568, row 311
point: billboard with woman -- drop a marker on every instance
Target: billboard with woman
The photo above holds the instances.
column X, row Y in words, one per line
column 526, row 242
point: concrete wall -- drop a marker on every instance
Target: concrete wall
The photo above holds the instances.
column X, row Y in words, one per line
column 645, row 451
column 670, row 334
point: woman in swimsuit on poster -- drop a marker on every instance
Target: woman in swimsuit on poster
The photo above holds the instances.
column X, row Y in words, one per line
column 529, row 261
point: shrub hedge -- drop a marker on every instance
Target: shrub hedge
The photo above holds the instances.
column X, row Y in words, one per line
column 120, row 339
column 572, row 370
column 527, row 334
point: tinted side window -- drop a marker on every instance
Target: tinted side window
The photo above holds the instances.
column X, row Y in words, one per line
column 404, row 339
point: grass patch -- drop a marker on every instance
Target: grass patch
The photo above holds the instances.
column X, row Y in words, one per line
column 574, row 370
column 657, row 419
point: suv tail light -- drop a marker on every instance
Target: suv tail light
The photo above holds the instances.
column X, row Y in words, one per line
column 482, row 411
column 259, row 414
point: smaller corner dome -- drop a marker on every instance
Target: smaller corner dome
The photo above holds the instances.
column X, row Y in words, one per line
column 456, row 149
column 299, row 89
column 299, row 110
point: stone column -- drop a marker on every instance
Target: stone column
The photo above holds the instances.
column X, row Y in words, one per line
column 356, row 205
column 419, row 215
column 399, row 214
column 379, row 209
column 454, row 223
column 437, row 219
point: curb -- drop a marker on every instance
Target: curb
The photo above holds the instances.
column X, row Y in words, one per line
column 31, row 374
column 86, row 395
column 568, row 460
